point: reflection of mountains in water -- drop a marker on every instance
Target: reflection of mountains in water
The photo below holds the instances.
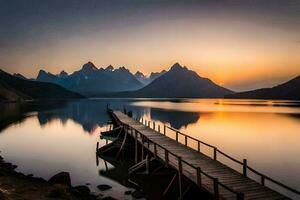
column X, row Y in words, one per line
column 89, row 114
column 176, row 119
column 16, row 113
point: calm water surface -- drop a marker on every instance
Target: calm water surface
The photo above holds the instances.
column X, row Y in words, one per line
column 51, row 137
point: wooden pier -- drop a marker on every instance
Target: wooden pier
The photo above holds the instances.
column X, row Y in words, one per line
column 207, row 172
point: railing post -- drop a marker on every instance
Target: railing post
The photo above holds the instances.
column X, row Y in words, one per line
column 199, row 146
column 176, row 136
column 142, row 120
column 153, row 125
column 215, row 153
column 142, row 147
column 164, row 129
column 158, row 126
column 149, row 123
column 97, row 147
column 262, row 180
column 179, row 176
column 240, row 196
column 216, row 188
column 155, row 150
column 199, row 181
column 167, row 157
column 185, row 140
column 245, row 167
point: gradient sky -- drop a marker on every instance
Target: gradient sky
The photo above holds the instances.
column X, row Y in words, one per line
column 238, row 44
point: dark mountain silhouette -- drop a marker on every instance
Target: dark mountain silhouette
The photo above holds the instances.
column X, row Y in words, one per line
column 44, row 76
column 62, row 74
column 19, row 76
column 13, row 89
column 180, row 82
column 289, row 91
column 90, row 80
column 145, row 79
column 155, row 75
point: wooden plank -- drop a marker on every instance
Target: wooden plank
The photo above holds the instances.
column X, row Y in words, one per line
column 225, row 174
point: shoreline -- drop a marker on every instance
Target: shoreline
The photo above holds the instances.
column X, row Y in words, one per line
column 16, row 185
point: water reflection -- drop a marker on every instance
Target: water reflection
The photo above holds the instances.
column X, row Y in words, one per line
column 176, row 119
column 264, row 132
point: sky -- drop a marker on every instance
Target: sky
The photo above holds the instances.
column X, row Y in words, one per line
column 241, row 45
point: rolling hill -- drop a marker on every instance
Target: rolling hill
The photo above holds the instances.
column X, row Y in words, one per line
column 13, row 88
column 289, row 90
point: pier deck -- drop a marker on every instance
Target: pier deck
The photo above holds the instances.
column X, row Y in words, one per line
column 220, row 180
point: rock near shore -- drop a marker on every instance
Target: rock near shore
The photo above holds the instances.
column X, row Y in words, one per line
column 61, row 178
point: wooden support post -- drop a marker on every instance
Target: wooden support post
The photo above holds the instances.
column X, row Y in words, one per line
column 245, row 167
column 142, row 120
column 142, row 147
column 155, row 150
column 199, row 181
column 158, row 126
column 185, row 140
column 136, row 150
column 176, row 136
column 147, row 165
column 215, row 153
column 97, row 147
column 166, row 157
column 216, row 189
column 153, row 125
column 149, row 124
column 180, row 176
column 164, row 129
column 240, row 196
column 199, row 150
column 262, row 180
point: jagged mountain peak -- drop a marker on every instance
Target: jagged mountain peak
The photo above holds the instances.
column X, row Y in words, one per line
column 18, row 75
column 89, row 66
column 109, row 68
column 122, row 69
column 154, row 75
column 63, row 74
column 139, row 74
column 177, row 66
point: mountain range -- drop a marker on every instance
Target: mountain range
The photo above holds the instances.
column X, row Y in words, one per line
column 13, row 88
column 177, row 82
column 91, row 81
column 180, row 82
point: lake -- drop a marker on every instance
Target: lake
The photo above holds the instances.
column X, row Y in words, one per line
column 46, row 138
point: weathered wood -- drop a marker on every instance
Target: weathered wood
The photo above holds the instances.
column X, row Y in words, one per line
column 245, row 167
column 166, row 157
column 219, row 179
column 180, row 176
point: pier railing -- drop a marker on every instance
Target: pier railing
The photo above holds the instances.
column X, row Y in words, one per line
column 180, row 161
column 216, row 152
